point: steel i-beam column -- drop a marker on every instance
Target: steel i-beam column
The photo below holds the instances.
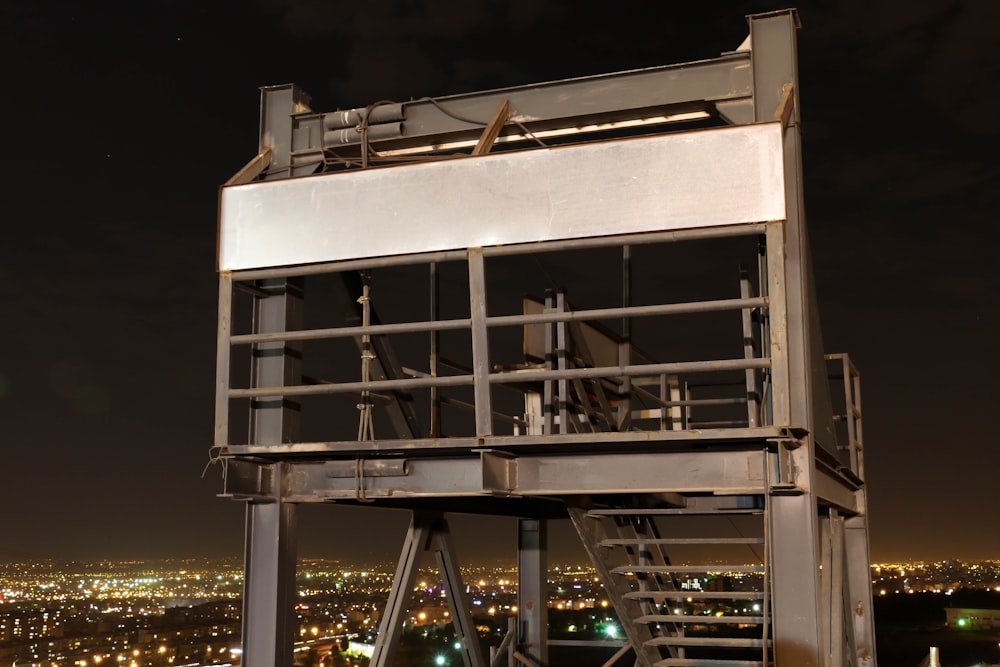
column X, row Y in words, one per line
column 532, row 589
column 278, row 105
column 269, row 584
column 480, row 343
column 794, row 534
column 859, row 588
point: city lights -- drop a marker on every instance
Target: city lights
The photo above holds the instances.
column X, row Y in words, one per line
column 187, row 613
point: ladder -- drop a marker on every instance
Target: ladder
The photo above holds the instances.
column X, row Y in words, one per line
column 707, row 606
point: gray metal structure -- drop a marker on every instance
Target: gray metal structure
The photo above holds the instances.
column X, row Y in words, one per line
column 672, row 472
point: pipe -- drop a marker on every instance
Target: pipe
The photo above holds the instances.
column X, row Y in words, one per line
column 350, row 118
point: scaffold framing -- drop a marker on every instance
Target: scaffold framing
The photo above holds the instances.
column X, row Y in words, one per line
column 414, row 313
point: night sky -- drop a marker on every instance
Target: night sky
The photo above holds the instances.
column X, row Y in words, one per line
column 122, row 119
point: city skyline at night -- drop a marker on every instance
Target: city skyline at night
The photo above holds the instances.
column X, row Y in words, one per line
column 163, row 613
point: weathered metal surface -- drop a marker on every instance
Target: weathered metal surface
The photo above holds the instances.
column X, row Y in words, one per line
column 723, row 472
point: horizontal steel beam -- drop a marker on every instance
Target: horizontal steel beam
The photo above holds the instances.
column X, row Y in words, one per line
column 836, row 490
column 725, row 472
column 620, row 440
column 592, row 103
column 648, row 238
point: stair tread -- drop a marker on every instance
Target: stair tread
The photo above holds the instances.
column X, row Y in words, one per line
column 681, row 540
column 688, row 568
column 695, row 620
column 707, row 662
column 721, row 642
column 703, row 595
column 669, row 511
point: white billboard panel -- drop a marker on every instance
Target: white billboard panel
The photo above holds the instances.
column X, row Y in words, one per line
column 684, row 180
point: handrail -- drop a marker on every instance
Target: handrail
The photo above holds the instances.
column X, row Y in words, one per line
column 716, row 365
column 684, row 308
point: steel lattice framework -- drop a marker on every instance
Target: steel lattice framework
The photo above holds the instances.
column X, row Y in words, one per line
column 656, row 424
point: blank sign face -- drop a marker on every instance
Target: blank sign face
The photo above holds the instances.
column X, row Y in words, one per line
column 725, row 176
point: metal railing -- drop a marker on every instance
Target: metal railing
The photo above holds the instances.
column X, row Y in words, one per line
column 616, row 393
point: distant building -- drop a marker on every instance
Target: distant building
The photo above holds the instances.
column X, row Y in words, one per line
column 973, row 619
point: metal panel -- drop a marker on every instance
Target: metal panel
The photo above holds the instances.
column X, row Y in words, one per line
column 692, row 179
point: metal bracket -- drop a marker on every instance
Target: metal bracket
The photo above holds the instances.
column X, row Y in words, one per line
column 499, row 472
column 250, row 480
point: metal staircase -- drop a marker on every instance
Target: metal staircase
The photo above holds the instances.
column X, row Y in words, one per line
column 705, row 607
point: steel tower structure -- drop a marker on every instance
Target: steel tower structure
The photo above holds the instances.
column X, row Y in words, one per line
column 682, row 427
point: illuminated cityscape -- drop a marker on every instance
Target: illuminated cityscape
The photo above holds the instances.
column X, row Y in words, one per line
column 187, row 612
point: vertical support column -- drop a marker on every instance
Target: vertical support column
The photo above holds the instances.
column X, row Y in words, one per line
column 532, row 589
column 795, row 553
column 274, row 420
column 480, row 343
column 548, row 387
column 859, row 588
column 773, row 60
column 625, row 347
column 435, row 358
column 856, row 418
column 626, row 290
column 778, row 396
column 223, row 350
column 664, row 396
column 795, row 581
column 562, row 363
column 850, row 413
column 834, row 573
column 763, row 278
column 749, row 352
column 625, row 392
column 269, row 585
column 277, row 104
column 826, row 585
column 859, row 584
